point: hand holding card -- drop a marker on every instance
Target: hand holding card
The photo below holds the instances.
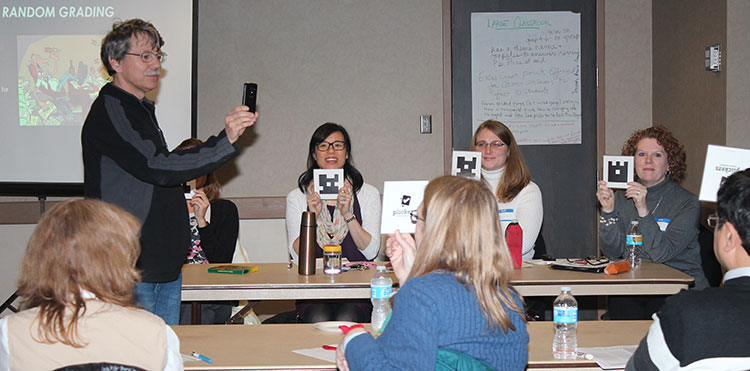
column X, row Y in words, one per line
column 328, row 182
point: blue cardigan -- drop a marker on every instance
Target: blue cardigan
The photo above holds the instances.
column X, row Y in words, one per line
column 433, row 312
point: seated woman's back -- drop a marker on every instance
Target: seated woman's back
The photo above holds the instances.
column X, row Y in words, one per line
column 77, row 280
column 455, row 290
column 113, row 334
column 447, row 316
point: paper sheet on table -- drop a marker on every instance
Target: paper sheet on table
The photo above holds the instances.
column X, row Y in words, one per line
column 319, row 353
column 611, row 357
column 189, row 358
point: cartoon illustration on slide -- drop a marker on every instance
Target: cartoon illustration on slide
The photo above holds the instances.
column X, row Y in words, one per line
column 52, row 92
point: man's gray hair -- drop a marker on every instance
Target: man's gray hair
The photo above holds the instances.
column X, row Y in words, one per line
column 117, row 41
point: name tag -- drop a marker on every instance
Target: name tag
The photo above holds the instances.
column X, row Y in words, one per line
column 663, row 223
column 506, row 216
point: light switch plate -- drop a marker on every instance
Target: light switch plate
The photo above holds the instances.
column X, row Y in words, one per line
column 713, row 58
column 425, row 124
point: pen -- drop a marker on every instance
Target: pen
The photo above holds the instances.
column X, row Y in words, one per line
column 202, row 357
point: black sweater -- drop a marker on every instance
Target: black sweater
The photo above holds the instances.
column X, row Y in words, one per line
column 219, row 237
column 126, row 162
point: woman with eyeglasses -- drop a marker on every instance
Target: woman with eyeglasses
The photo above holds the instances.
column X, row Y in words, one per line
column 455, row 303
column 352, row 220
column 667, row 214
column 508, row 177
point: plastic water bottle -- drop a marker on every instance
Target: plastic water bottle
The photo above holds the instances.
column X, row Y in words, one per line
column 565, row 308
column 633, row 244
column 381, row 287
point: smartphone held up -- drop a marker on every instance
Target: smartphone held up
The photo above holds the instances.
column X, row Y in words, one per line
column 250, row 95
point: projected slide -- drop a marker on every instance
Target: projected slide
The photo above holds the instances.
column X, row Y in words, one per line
column 52, row 72
column 58, row 78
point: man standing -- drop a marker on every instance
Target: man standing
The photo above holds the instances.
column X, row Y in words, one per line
column 708, row 329
column 127, row 162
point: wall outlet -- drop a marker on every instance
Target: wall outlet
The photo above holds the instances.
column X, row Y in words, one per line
column 425, row 124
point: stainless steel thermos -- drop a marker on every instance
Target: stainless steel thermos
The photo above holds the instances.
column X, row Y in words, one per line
column 307, row 244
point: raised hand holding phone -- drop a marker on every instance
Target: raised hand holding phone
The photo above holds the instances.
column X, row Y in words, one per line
column 250, row 95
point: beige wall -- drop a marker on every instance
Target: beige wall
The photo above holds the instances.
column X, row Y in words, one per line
column 628, row 63
column 372, row 66
column 738, row 73
column 14, row 239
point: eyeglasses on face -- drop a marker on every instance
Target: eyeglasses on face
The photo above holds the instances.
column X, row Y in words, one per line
column 415, row 217
column 338, row 145
column 712, row 220
column 493, row 145
column 149, row 56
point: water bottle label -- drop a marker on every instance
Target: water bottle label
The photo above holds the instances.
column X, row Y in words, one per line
column 380, row 292
column 565, row 315
column 634, row 240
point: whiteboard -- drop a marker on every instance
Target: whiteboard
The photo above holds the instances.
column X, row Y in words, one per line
column 526, row 73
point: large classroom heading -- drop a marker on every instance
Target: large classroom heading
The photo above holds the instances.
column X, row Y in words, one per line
column 54, row 12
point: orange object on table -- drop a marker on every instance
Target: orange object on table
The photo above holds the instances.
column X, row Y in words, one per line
column 617, row 267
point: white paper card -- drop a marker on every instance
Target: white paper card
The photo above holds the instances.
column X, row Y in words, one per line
column 319, row 353
column 467, row 164
column 400, row 198
column 721, row 162
column 609, row 358
column 328, row 182
column 617, row 171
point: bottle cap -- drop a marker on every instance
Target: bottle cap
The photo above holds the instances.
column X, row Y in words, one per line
column 565, row 289
column 332, row 248
column 380, row 268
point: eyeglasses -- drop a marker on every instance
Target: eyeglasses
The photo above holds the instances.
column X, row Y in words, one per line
column 590, row 260
column 712, row 220
column 338, row 145
column 148, row 56
column 415, row 217
column 494, row 145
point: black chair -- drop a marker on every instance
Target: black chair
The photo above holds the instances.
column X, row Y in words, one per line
column 9, row 304
column 537, row 306
column 99, row 367
column 711, row 266
column 540, row 248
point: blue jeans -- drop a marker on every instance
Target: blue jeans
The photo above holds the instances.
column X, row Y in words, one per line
column 161, row 298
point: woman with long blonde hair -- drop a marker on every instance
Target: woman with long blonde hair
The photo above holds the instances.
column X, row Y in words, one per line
column 455, row 293
column 506, row 173
column 76, row 285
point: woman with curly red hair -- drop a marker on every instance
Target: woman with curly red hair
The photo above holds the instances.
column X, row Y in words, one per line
column 667, row 213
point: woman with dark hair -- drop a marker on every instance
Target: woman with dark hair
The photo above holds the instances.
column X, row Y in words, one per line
column 667, row 215
column 76, row 284
column 455, row 300
column 214, row 227
column 508, row 177
column 352, row 220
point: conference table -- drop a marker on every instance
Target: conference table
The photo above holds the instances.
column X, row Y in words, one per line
column 278, row 281
column 269, row 347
